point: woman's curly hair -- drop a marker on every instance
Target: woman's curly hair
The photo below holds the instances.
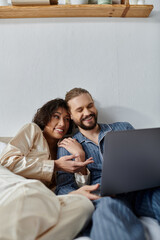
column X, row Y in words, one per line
column 45, row 113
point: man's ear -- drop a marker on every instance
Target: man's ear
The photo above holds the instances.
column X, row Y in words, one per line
column 70, row 114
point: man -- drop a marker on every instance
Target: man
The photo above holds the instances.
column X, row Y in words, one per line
column 114, row 218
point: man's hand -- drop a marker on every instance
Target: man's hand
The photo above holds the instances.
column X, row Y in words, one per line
column 86, row 191
column 66, row 164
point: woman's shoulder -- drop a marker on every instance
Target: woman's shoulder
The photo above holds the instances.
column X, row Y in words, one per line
column 31, row 127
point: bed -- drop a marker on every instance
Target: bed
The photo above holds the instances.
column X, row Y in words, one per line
column 152, row 228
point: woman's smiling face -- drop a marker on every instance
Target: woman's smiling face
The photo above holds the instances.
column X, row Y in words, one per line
column 58, row 126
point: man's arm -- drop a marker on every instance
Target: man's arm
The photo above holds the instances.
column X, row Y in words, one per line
column 121, row 126
column 65, row 181
column 128, row 126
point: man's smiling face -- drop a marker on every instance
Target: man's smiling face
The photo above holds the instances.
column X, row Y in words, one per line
column 83, row 111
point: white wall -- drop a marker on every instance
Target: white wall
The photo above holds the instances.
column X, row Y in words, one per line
column 116, row 59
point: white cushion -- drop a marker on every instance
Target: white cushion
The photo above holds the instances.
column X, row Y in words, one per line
column 2, row 146
column 152, row 228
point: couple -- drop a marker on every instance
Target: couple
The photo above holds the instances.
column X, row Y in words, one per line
column 29, row 209
column 114, row 218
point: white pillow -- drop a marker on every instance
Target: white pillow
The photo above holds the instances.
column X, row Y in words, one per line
column 2, row 146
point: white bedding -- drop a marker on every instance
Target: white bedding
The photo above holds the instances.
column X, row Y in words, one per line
column 152, row 228
column 2, row 146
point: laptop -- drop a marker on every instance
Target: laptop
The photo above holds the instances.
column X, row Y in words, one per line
column 131, row 161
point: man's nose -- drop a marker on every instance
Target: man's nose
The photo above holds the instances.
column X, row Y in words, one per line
column 86, row 112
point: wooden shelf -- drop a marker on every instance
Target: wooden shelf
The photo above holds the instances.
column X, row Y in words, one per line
column 88, row 10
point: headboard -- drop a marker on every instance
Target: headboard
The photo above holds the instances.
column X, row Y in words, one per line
column 5, row 139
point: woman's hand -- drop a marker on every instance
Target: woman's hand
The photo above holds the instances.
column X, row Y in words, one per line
column 86, row 191
column 68, row 165
column 74, row 147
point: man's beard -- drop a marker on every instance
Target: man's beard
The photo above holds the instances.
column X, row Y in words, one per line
column 81, row 125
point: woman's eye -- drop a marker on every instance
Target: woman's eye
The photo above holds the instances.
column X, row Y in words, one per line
column 55, row 116
column 67, row 119
column 79, row 110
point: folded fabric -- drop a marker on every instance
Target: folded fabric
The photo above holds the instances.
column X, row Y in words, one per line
column 29, row 210
column 2, row 146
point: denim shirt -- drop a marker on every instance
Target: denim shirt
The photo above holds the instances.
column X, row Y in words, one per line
column 66, row 181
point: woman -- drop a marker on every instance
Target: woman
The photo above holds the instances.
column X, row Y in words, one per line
column 30, row 154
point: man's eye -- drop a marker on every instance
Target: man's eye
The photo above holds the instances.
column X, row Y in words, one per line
column 90, row 106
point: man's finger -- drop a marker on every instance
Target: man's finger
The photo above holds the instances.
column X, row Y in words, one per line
column 91, row 187
column 92, row 196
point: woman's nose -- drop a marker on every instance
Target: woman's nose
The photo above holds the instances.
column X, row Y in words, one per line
column 61, row 122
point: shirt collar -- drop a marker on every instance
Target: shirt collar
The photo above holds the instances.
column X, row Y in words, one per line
column 104, row 129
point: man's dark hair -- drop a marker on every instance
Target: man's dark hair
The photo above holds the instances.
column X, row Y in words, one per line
column 45, row 113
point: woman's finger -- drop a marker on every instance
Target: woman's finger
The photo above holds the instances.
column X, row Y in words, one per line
column 79, row 164
column 64, row 141
column 62, row 144
column 70, row 157
column 88, row 160
column 71, row 139
column 91, row 158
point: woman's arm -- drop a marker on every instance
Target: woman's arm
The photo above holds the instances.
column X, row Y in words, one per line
column 74, row 147
column 27, row 154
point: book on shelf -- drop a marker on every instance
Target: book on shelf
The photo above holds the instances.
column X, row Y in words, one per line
column 30, row 2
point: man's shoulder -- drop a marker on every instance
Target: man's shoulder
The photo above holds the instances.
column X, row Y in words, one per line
column 77, row 135
column 117, row 126
column 120, row 126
